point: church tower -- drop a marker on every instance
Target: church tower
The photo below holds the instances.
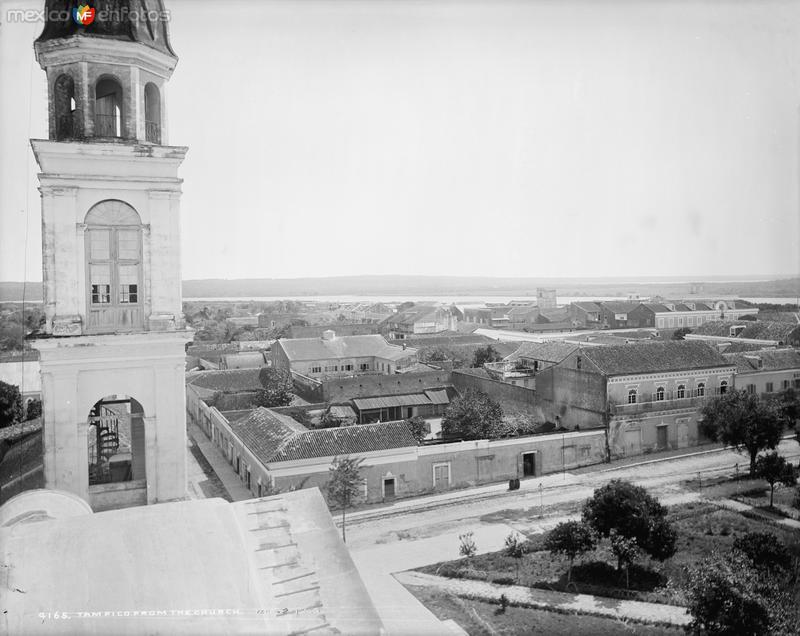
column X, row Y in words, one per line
column 112, row 351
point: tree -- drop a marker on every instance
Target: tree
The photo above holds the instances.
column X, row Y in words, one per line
column 34, row 409
column 485, row 354
column 10, row 404
column 419, row 427
column 570, row 538
column 472, row 415
column 633, row 513
column 727, row 598
column 764, row 550
column 329, row 420
column 626, row 549
column 680, row 334
column 344, row 484
column 789, row 404
column 277, row 387
column 466, row 545
column 515, row 548
column 774, row 468
column 744, row 421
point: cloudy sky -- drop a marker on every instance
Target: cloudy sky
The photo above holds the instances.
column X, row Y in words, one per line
column 500, row 137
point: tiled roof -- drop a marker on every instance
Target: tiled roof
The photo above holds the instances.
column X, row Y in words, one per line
column 418, row 313
column 618, row 306
column 343, row 347
column 553, row 351
column 654, row 357
column 228, row 380
column 657, row 307
column 756, row 330
column 771, row 360
column 278, row 438
column 587, row 306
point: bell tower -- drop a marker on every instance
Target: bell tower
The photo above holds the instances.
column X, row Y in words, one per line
column 112, row 351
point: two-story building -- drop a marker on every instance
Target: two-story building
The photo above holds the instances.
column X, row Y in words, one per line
column 675, row 315
column 341, row 356
column 648, row 395
column 766, row 371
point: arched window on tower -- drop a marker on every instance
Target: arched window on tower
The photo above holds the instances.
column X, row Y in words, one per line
column 114, row 268
column 108, row 108
column 152, row 113
column 64, row 102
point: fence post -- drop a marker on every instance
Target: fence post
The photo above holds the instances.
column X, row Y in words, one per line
column 699, row 481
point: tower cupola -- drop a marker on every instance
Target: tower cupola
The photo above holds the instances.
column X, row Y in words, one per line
column 106, row 77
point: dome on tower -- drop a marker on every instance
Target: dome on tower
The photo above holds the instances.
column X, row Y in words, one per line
column 142, row 21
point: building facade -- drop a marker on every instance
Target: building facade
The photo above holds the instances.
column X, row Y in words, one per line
column 334, row 356
column 648, row 395
column 112, row 351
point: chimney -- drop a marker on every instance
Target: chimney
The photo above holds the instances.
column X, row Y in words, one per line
column 328, row 334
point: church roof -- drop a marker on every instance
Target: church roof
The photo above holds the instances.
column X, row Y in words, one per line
column 142, row 21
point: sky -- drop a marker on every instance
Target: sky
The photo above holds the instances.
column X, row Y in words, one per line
column 483, row 138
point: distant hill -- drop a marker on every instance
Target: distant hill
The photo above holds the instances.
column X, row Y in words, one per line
column 12, row 291
column 410, row 286
column 473, row 286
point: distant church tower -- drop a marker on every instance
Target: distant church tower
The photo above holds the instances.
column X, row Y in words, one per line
column 112, row 356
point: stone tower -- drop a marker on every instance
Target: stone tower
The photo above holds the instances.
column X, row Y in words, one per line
column 112, row 351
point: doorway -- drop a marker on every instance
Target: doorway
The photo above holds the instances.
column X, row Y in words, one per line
column 388, row 488
column 662, row 437
column 528, row 464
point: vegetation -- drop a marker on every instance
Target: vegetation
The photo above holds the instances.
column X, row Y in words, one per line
column 570, row 538
column 631, row 512
column 15, row 325
column 419, row 427
column 773, row 468
column 680, row 333
column 277, row 385
column 744, row 421
column 10, row 404
column 34, row 409
column 481, row 617
column 747, row 590
column 701, row 528
column 515, row 548
column 484, row 355
column 344, row 484
column 466, row 545
column 472, row 415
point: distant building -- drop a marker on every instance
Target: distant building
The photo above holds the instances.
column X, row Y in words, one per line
column 675, row 315
column 341, row 356
column 546, row 298
column 761, row 332
column 342, row 329
column 585, row 314
column 615, row 314
column 421, row 319
column 766, row 371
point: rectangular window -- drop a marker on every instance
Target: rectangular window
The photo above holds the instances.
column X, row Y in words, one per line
column 101, row 284
column 769, row 387
column 751, row 388
column 786, row 384
column 99, row 245
column 128, row 284
column 365, row 366
column 316, row 369
column 128, row 245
